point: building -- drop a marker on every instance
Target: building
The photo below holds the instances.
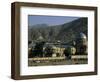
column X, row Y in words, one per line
column 52, row 50
column 81, row 44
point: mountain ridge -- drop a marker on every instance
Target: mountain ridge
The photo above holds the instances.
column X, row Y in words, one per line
column 65, row 32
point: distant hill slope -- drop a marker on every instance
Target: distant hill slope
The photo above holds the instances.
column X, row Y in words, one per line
column 65, row 32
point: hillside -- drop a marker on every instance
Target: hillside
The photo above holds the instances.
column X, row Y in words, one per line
column 65, row 32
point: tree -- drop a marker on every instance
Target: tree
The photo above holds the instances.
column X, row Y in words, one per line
column 48, row 51
column 38, row 49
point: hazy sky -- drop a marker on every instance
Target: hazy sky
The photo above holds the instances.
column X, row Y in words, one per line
column 50, row 20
